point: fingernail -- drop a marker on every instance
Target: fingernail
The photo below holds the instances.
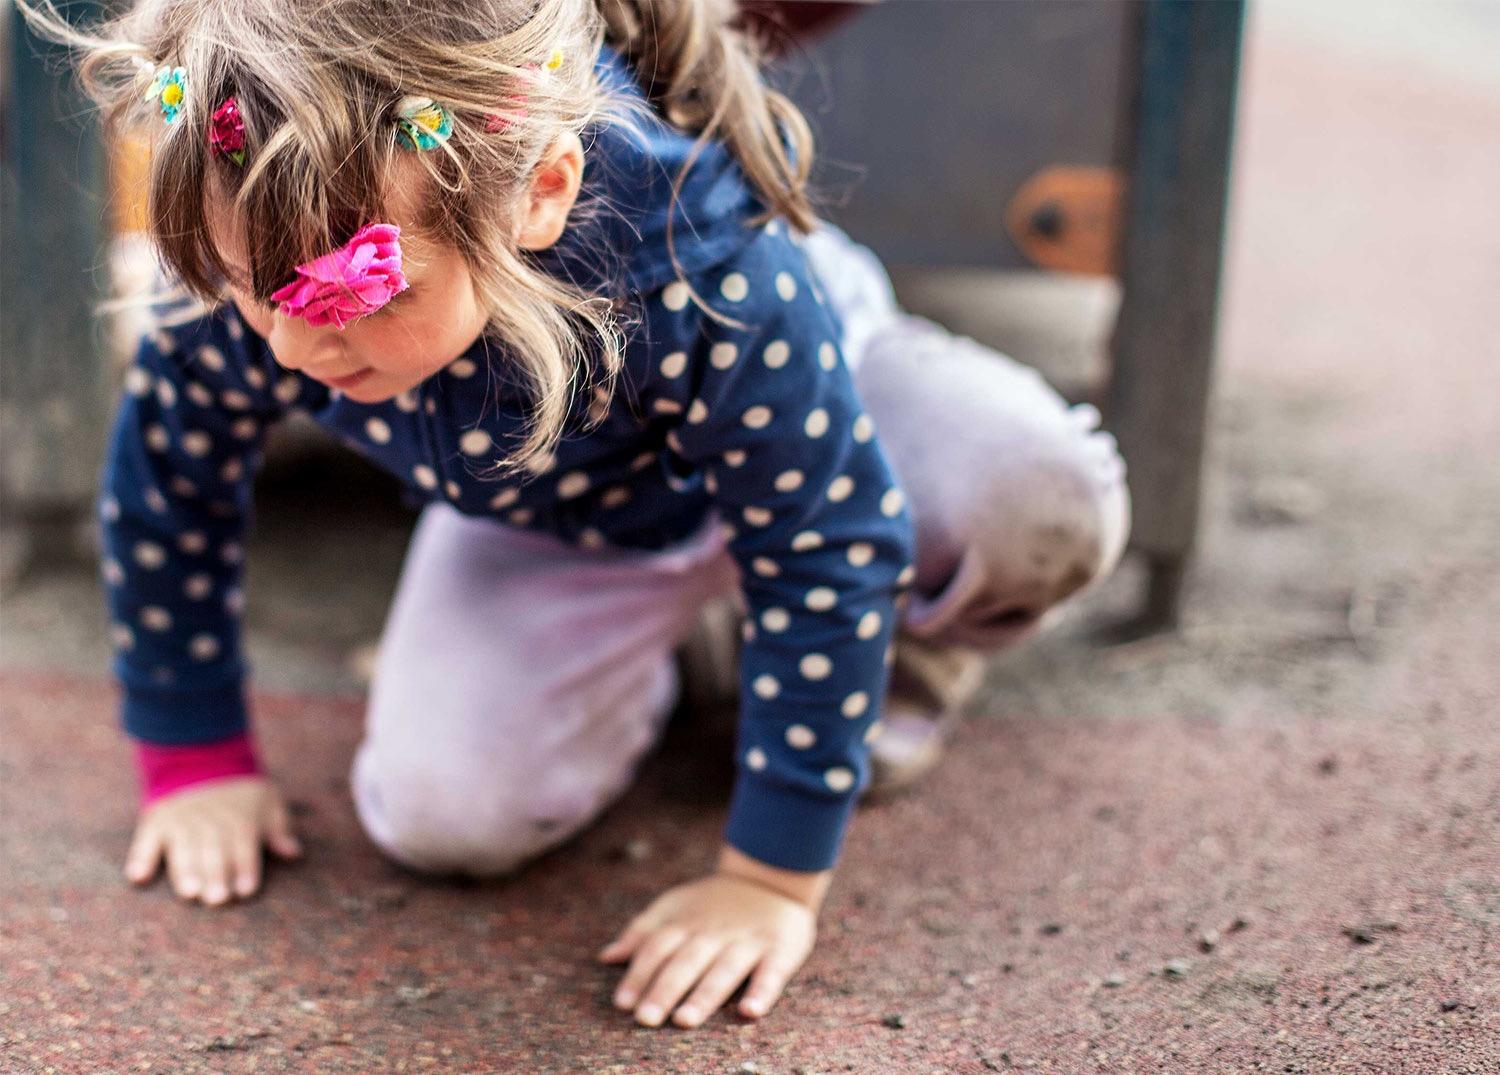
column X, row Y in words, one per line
column 755, row 1006
column 688, row 1013
column 216, row 891
column 624, row 999
column 650, row 1013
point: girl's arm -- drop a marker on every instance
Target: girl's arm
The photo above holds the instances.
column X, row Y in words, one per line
column 174, row 513
column 767, row 420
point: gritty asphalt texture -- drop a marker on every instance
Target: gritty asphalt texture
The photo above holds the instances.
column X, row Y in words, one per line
column 1265, row 843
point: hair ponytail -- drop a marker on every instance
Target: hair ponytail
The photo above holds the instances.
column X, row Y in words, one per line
column 700, row 68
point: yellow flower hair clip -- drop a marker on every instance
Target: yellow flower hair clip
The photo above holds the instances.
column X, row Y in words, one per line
column 168, row 91
column 422, row 123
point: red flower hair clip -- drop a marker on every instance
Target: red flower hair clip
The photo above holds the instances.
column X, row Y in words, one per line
column 226, row 132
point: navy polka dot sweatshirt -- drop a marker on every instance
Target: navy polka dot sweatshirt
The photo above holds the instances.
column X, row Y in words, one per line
column 756, row 421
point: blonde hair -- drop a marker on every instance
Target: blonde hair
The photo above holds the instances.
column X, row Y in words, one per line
column 317, row 87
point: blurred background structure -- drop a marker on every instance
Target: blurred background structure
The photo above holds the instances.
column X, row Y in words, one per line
column 1268, row 840
column 1118, row 172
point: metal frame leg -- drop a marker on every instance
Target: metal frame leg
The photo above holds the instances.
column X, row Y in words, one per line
column 1181, row 120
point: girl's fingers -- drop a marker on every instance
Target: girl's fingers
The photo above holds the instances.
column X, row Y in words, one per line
column 722, row 979
column 215, row 863
column 677, row 976
column 182, row 865
column 657, row 947
column 279, row 835
column 144, row 855
column 623, row 945
column 244, row 857
column 769, row 979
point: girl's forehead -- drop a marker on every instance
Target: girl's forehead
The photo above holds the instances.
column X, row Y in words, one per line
column 402, row 209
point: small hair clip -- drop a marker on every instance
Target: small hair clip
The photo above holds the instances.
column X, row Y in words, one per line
column 496, row 122
column 169, row 91
column 499, row 121
column 357, row 279
column 226, row 132
column 422, row 123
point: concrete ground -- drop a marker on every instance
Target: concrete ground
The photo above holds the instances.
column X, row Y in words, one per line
column 1266, row 843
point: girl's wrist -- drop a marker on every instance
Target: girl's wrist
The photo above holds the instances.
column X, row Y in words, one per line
column 806, row 887
column 165, row 768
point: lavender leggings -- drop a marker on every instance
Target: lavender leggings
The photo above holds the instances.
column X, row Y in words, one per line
column 521, row 680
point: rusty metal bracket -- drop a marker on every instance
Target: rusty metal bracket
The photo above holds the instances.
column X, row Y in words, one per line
column 1068, row 218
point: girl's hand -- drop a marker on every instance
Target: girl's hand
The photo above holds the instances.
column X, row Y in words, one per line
column 709, row 934
column 211, row 835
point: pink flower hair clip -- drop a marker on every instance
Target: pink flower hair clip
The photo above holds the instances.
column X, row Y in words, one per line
column 496, row 122
column 355, row 280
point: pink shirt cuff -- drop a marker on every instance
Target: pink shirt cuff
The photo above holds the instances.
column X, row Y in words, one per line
column 167, row 768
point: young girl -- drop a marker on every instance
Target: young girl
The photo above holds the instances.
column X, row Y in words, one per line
column 544, row 261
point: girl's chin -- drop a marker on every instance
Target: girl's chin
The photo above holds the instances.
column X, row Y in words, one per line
column 366, row 388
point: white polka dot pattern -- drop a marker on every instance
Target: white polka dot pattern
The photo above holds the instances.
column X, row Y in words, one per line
column 839, row 778
column 735, row 287
column 675, row 296
column 800, row 737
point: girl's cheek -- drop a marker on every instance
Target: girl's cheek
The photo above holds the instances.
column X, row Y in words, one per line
column 260, row 321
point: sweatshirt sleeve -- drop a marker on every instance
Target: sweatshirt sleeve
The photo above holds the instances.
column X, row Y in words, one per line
column 174, row 509
column 769, row 418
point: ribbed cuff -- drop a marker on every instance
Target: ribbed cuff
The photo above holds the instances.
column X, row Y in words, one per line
column 784, row 827
column 168, row 768
column 180, row 717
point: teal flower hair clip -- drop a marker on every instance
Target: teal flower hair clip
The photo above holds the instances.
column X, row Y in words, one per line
column 169, row 91
column 422, row 123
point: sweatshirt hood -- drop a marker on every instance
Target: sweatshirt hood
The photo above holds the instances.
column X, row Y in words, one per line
column 620, row 230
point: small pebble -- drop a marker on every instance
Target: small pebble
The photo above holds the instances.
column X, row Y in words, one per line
column 1208, row 940
column 1177, row 968
column 895, row 1020
column 1114, row 980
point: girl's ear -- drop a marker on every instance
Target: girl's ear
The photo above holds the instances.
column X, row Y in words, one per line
column 550, row 197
